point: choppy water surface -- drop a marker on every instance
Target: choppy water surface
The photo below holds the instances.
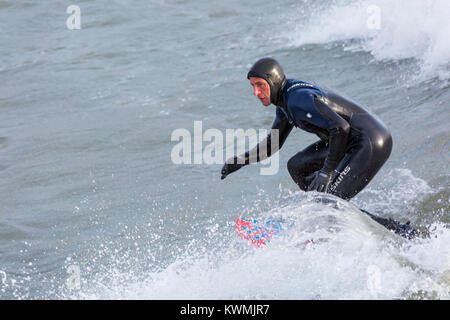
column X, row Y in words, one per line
column 92, row 206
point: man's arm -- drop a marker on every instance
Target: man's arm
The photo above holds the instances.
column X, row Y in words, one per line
column 338, row 134
column 254, row 155
column 338, row 131
column 257, row 154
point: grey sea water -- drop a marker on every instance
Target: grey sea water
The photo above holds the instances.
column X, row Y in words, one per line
column 92, row 205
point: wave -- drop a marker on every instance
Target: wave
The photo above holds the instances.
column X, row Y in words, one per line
column 359, row 260
column 389, row 30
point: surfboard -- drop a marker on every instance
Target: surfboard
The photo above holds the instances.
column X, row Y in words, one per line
column 258, row 232
column 261, row 231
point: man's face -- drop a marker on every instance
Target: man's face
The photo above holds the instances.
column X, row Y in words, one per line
column 261, row 89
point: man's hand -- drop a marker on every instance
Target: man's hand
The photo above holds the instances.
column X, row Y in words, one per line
column 230, row 166
column 320, row 181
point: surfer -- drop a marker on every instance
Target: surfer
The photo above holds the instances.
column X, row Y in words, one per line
column 353, row 143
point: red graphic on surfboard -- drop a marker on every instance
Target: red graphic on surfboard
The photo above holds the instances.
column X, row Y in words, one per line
column 256, row 231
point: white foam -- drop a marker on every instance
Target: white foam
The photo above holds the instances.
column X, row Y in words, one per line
column 415, row 29
column 360, row 260
column 398, row 194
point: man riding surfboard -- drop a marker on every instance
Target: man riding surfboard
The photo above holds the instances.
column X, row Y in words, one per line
column 353, row 143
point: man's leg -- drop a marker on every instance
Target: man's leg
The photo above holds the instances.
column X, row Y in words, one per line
column 357, row 169
column 306, row 162
column 355, row 172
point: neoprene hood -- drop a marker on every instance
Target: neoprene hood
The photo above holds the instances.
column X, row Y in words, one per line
column 270, row 70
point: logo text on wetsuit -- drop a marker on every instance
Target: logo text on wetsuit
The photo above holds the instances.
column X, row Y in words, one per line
column 300, row 84
column 190, row 149
column 339, row 178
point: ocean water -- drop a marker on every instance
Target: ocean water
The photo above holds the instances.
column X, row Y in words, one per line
column 92, row 205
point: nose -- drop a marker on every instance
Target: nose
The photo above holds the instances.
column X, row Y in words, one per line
column 256, row 91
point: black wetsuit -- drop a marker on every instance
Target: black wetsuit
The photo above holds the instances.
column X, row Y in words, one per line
column 354, row 144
